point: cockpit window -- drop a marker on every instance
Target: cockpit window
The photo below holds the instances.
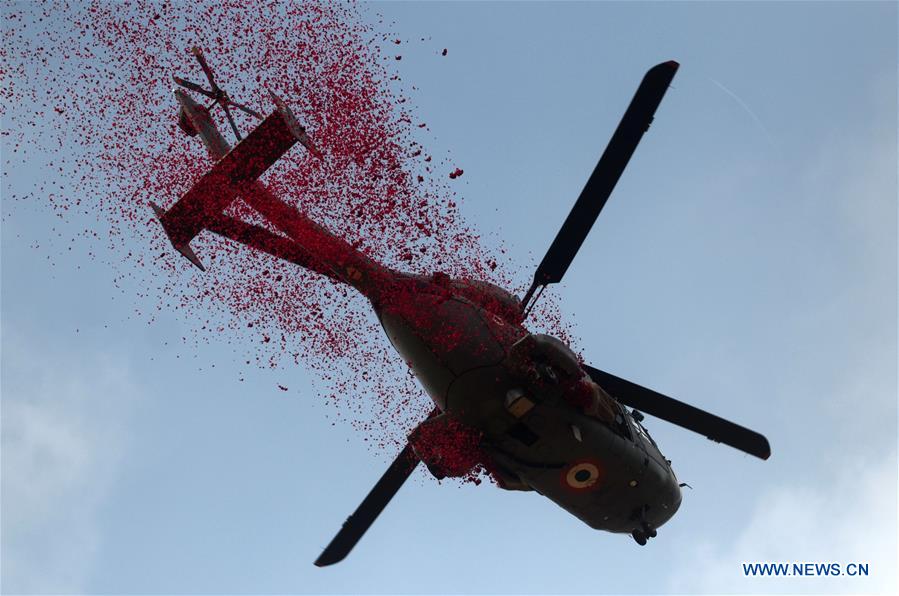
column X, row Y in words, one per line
column 621, row 427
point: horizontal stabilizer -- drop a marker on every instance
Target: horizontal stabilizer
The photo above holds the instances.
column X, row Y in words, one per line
column 184, row 249
column 684, row 415
column 215, row 191
column 218, row 187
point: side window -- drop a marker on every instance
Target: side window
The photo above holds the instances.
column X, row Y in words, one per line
column 621, row 425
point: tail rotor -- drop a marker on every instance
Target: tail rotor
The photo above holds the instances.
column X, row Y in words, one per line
column 217, row 94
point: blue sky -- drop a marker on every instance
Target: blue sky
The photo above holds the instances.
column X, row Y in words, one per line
column 746, row 263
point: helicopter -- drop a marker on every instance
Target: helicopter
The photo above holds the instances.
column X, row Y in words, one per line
column 546, row 421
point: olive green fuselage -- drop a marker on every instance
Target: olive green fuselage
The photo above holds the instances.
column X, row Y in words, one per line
column 457, row 341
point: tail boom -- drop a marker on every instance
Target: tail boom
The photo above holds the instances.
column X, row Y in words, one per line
column 330, row 252
column 261, row 239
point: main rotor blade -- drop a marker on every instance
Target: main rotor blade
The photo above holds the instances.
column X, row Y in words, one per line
column 599, row 186
column 356, row 524
column 684, row 415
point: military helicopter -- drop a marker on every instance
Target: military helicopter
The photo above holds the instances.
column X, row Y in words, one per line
column 546, row 421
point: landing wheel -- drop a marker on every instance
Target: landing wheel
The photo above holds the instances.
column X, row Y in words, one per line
column 639, row 537
column 649, row 531
column 436, row 471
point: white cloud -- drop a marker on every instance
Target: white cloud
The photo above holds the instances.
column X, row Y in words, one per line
column 849, row 516
column 63, row 435
column 852, row 520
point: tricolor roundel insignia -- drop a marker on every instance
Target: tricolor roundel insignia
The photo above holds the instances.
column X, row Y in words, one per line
column 582, row 475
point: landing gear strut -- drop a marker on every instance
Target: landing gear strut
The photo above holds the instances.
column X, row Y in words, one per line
column 645, row 531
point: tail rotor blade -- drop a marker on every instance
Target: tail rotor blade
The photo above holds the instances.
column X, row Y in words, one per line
column 231, row 121
column 198, row 89
column 194, row 87
column 599, row 186
column 198, row 54
column 244, row 109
